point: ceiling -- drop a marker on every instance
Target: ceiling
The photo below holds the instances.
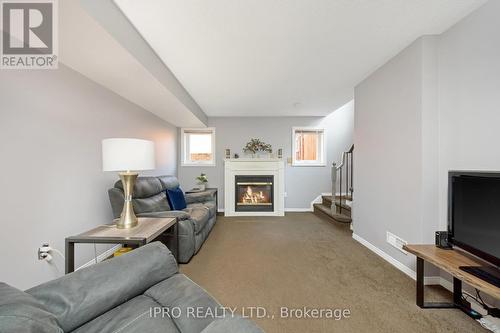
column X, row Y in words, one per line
column 85, row 46
column 282, row 58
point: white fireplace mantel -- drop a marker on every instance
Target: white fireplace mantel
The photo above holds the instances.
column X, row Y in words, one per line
column 254, row 166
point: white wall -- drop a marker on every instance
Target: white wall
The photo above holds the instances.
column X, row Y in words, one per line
column 51, row 127
column 302, row 184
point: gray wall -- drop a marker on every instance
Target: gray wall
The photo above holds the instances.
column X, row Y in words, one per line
column 302, row 184
column 389, row 155
column 469, row 96
column 469, row 100
column 51, row 127
column 431, row 109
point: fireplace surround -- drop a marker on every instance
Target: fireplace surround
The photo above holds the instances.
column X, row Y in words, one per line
column 254, row 187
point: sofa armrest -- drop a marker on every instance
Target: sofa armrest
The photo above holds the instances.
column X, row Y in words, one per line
column 232, row 324
column 179, row 214
column 200, row 197
column 79, row 297
column 116, row 198
column 21, row 312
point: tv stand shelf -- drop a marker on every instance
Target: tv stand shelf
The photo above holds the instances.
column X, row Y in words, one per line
column 449, row 261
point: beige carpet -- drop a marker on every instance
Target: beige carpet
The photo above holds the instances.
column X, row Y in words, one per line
column 304, row 260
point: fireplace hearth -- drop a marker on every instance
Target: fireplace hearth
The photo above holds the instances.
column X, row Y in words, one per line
column 254, row 193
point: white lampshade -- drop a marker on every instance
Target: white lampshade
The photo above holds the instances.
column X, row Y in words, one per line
column 122, row 154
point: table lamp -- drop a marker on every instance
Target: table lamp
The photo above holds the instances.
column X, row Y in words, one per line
column 127, row 156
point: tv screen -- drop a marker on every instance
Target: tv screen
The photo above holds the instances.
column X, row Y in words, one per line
column 475, row 213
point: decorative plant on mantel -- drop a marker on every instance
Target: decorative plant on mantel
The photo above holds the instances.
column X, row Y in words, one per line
column 255, row 145
column 202, row 181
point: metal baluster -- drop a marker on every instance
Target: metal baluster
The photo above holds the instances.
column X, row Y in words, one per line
column 334, row 185
column 347, row 178
column 340, row 187
column 352, row 174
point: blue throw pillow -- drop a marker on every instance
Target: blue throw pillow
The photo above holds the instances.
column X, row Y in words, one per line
column 176, row 199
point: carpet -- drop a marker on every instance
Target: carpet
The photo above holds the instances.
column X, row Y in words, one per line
column 302, row 260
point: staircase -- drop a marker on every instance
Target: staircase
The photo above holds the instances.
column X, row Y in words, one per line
column 339, row 207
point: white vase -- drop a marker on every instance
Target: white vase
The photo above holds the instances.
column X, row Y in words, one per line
column 202, row 187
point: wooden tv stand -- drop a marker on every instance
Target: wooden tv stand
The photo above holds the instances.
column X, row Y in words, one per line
column 449, row 261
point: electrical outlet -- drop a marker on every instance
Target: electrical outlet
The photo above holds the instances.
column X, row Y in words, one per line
column 43, row 251
column 396, row 241
column 286, row 194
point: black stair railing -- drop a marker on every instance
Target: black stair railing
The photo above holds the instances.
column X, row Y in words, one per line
column 344, row 174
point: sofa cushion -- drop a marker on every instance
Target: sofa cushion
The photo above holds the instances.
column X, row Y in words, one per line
column 200, row 197
column 155, row 203
column 84, row 295
column 179, row 291
column 22, row 313
column 144, row 187
column 199, row 215
column 209, row 204
column 140, row 314
column 176, row 198
column 169, row 182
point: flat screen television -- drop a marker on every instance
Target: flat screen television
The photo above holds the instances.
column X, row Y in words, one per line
column 474, row 213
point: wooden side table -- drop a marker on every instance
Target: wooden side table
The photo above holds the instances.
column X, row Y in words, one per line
column 147, row 231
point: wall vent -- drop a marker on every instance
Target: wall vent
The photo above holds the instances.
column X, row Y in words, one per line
column 396, row 241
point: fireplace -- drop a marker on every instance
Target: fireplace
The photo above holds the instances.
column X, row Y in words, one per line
column 254, row 193
column 246, row 178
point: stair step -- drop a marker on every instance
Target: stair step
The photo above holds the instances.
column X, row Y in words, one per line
column 345, row 197
column 342, row 218
column 343, row 210
column 327, row 201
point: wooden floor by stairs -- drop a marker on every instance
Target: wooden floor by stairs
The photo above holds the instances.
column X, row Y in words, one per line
column 341, row 213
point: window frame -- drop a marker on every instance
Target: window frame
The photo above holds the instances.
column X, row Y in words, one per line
column 321, row 150
column 203, row 130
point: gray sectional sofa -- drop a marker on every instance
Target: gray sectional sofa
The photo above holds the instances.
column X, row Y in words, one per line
column 149, row 200
column 140, row 291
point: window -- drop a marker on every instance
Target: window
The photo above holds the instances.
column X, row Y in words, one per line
column 308, row 146
column 198, row 146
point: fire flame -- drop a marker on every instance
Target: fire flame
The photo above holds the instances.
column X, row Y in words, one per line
column 250, row 197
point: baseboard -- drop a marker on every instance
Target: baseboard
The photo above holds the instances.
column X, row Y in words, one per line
column 408, row 271
column 428, row 280
column 317, row 200
column 290, row 210
column 445, row 283
column 298, row 210
column 101, row 257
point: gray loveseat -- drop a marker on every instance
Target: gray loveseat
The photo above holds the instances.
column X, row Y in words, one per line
column 140, row 291
column 149, row 200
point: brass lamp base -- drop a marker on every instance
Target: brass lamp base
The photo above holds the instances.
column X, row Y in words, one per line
column 127, row 218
